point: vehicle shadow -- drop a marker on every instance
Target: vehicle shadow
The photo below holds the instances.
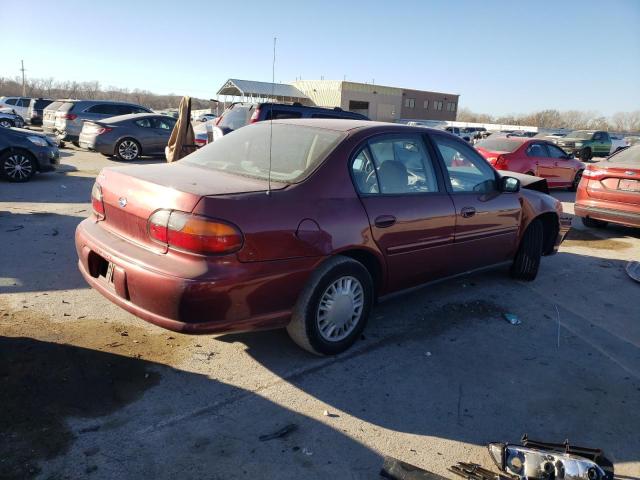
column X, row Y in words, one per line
column 443, row 362
column 38, row 251
column 63, row 408
column 49, row 188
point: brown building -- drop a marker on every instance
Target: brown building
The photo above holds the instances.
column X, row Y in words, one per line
column 388, row 104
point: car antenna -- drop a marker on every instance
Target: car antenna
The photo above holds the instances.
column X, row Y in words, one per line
column 273, row 85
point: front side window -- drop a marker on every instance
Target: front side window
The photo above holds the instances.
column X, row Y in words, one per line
column 401, row 165
column 555, row 152
column 467, row 170
column 11, row 101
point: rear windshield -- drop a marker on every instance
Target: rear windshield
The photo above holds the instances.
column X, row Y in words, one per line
column 54, row 106
column 236, row 117
column 498, row 145
column 295, row 151
column 580, row 134
column 628, row 156
column 41, row 103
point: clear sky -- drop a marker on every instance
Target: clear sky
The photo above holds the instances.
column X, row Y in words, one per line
column 500, row 56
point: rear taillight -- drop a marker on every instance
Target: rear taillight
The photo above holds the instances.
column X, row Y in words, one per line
column 501, row 162
column 194, row 233
column 594, row 174
column 97, row 202
column 102, row 130
column 70, row 116
column 255, row 116
column 200, row 142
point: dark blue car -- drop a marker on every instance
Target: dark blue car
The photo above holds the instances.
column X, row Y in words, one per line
column 23, row 153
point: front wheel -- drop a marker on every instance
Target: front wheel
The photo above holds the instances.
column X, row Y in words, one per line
column 527, row 261
column 333, row 308
column 128, row 149
column 576, row 181
column 17, row 166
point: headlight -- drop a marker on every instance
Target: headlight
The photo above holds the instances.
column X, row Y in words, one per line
column 41, row 142
column 578, row 144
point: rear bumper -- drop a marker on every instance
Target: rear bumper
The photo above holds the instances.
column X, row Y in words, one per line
column 622, row 217
column 48, row 158
column 205, row 297
column 95, row 143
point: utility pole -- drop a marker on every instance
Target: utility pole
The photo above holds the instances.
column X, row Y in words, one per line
column 24, row 87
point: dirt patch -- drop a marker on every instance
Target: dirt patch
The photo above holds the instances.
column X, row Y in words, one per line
column 84, row 368
column 583, row 238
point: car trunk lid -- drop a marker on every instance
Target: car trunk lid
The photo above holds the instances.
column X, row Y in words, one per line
column 131, row 194
column 614, row 183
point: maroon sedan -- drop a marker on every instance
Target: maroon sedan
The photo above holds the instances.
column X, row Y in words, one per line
column 303, row 224
column 533, row 157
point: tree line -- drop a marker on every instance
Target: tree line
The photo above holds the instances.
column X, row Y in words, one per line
column 571, row 119
column 51, row 88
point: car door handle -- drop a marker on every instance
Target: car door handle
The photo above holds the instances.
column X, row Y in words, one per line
column 384, row 221
column 468, row 212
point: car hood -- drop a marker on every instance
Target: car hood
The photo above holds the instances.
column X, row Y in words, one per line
column 529, row 182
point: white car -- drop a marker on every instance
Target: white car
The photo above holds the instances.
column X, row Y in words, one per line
column 205, row 117
column 19, row 104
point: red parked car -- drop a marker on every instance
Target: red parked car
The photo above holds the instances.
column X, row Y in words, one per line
column 303, row 224
column 610, row 191
column 533, row 157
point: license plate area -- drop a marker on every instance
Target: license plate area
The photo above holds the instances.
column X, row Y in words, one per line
column 109, row 274
column 629, row 185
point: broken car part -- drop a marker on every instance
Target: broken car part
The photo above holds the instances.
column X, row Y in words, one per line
column 540, row 460
column 473, row 471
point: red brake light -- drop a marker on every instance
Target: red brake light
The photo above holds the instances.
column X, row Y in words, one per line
column 70, row 116
column 97, row 203
column 194, row 233
column 255, row 116
column 102, row 130
column 501, row 162
column 593, row 173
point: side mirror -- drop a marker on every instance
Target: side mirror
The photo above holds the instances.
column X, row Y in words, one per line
column 509, row 185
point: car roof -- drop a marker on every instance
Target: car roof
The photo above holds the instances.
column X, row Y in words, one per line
column 133, row 116
column 348, row 124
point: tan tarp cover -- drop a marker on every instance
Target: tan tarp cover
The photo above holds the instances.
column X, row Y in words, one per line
column 182, row 140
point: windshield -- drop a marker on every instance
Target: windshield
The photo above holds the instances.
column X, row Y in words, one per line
column 295, row 151
column 236, row 117
column 584, row 135
column 628, row 156
column 498, row 145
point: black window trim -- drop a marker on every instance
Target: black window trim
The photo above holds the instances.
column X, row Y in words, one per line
column 443, row 166
column 364, row 144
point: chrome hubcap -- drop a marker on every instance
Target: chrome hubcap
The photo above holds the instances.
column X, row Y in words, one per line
column 128, row 150
column 18, row 166
column 340, row 308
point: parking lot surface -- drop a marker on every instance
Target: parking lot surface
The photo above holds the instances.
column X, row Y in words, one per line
column 89, row 391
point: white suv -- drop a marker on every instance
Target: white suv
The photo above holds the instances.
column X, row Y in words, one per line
column 19, row 104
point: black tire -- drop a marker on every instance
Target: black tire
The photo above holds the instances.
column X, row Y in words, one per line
column 17, row 166
column 6, row 123
column 585, row 154
column 304, row 328
column 128, row 149
column 593, row 223
column 527, row 261
column 576, row 181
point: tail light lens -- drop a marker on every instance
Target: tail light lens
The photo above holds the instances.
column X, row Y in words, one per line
column 70, row 116
column 200, row 142
column 593, row 174
column 255, row 116
column 97, row 203
column 194, row 233
column 102, row 130
column 501, row 162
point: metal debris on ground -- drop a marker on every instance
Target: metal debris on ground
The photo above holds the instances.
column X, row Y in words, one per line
column 534, row 460
column 279, row 433
column 633, row 270
column 398, row 470
column 511, row 318
column 473, row 471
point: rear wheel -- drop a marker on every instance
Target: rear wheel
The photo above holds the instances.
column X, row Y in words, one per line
column 17, row 166
column 333, row 308
column 576, row 181
column 586, row 154
column 593, row 223
column 527, row 261
column 128, row 149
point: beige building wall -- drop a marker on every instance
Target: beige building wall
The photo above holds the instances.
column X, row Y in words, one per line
column 323, row 93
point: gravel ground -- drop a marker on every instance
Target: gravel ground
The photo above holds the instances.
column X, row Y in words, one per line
column 89, row 391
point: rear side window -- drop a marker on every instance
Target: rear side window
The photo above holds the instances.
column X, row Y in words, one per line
column 498, row 145
column 11, row 101
column 104, row 109
column 274, row 114
column 328, row 115
column 53, row 106
column 144, row 123
column 40, row 103
column 23, row 102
